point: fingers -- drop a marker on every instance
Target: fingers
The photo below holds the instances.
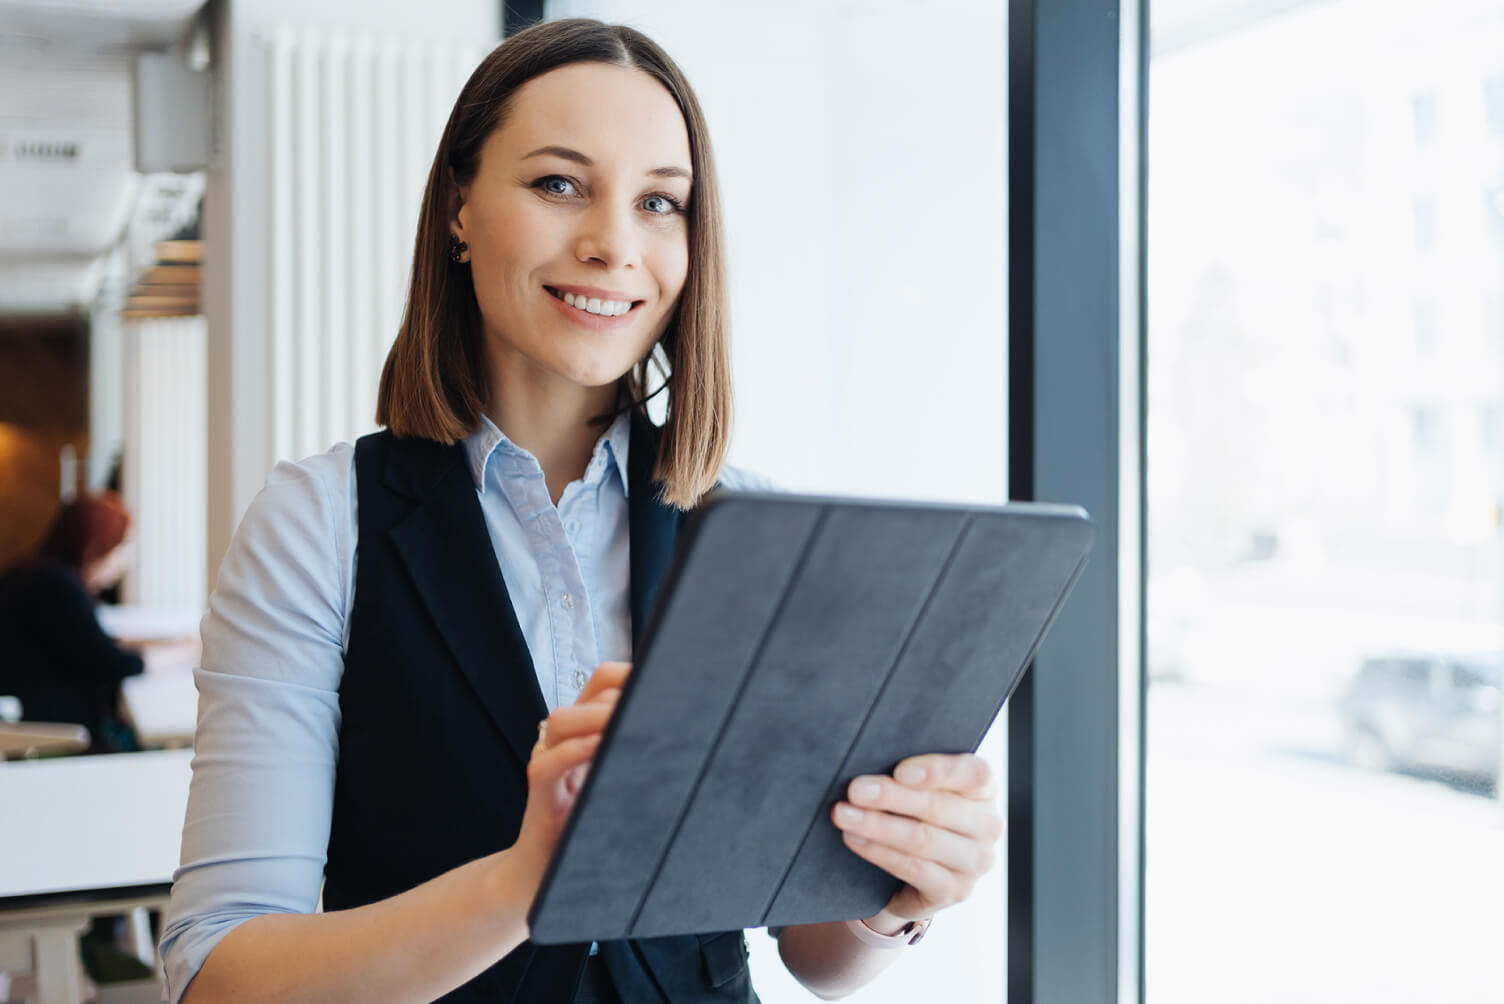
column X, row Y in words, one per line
column 577, row 720
column 915, row 839
column 931, row 883
column 966, row 774
column 935, row 808
column 607, row 676
column 547, row 765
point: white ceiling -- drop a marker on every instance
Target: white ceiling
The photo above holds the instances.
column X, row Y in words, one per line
column 67, row 181
column 32, row 28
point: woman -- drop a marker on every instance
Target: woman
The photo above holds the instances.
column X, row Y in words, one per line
column 54, row 656
column 374, row 722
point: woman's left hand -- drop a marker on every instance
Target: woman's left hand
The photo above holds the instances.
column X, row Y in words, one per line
column 934, row 824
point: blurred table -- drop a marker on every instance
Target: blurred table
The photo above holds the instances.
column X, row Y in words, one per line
column 161, row 703
column 87, row 836
column 133, row 624
column 20, row 739
column 162, row 707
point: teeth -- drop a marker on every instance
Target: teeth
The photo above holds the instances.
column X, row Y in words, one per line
column 594, row 305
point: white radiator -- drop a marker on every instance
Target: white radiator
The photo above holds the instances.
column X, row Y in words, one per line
column 166, row 463
column 354, row 122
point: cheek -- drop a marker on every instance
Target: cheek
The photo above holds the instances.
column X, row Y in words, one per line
column 509, row 243
column 672, row 267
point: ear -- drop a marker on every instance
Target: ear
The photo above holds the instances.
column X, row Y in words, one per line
column 459, row 196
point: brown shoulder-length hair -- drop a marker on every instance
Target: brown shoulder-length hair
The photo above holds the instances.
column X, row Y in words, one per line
column 435, row 384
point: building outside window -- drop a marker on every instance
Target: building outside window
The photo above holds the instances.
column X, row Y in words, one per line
column 1423, row 106
column 1493, row 102
column 1324, row 500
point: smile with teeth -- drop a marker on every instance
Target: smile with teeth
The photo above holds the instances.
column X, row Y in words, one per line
column 605, row 308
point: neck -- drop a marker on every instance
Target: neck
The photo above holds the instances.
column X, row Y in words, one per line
column 550, row 418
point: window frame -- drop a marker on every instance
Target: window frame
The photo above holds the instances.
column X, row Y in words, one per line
column 1076, row 168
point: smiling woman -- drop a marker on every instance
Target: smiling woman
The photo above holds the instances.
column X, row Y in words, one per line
column 512, row 523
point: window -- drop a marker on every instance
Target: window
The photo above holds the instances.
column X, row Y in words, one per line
column 1475, row 676
column 1426, row 326
column 1425, row 224
column 1493, row 317
column 1493, row 104
column 1489, row 418
column 1425, row 431
column 1493, row 209
column 1317, row 830
column 1423, row 111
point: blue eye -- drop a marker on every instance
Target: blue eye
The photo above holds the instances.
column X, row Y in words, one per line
column 666, row 205
column 555, row 184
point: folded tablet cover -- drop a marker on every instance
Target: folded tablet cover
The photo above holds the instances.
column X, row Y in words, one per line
column 797, row 643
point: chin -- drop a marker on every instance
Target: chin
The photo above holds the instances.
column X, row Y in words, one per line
column 591, row 374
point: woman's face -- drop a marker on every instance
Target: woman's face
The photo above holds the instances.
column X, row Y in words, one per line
column 582, row 192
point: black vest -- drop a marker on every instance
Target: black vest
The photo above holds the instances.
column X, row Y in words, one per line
column 440, row 707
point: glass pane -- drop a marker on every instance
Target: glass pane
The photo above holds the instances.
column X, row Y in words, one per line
column 1326, row 483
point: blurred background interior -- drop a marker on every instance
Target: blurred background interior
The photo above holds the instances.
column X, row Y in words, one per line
column 206, row 215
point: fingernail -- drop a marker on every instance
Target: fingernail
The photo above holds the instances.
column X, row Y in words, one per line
column 848, row 814
column 911, row 774
column 866, row 791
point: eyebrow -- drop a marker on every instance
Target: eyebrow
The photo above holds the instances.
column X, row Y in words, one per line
column 565, row 153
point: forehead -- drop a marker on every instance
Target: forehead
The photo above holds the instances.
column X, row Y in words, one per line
column 615, row 115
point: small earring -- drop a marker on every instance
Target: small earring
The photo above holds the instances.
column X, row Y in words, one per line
column 457, row 249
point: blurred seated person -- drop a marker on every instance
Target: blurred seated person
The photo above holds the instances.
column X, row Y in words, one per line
column 54, row 656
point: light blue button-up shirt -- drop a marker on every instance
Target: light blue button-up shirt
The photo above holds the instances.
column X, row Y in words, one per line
column 259, row 806
column 567, row 567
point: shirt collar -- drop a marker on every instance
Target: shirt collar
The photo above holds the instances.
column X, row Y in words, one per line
column 488, row 442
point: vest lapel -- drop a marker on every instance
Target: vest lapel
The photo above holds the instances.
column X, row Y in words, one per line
column 447, row 550
column 654, row 526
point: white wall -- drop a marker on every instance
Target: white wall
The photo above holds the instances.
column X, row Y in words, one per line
column 861, row 147
column 164, row 406
column 238, row 227
column 106, row 391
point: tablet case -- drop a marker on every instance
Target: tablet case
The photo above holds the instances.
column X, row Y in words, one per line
column 796, row 643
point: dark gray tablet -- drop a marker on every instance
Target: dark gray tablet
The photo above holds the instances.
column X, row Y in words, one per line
column 797, row 642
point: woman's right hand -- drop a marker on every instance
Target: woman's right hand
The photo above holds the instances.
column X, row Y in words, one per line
column 556, row 771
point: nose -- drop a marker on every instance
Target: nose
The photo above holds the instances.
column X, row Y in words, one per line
column 608, row 235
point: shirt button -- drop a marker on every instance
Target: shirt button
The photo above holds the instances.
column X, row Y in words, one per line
column 572, row 527
column 581, row 678
column 567, row 601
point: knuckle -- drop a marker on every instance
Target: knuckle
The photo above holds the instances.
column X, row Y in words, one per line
column 942, row 881
column 922, row 839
